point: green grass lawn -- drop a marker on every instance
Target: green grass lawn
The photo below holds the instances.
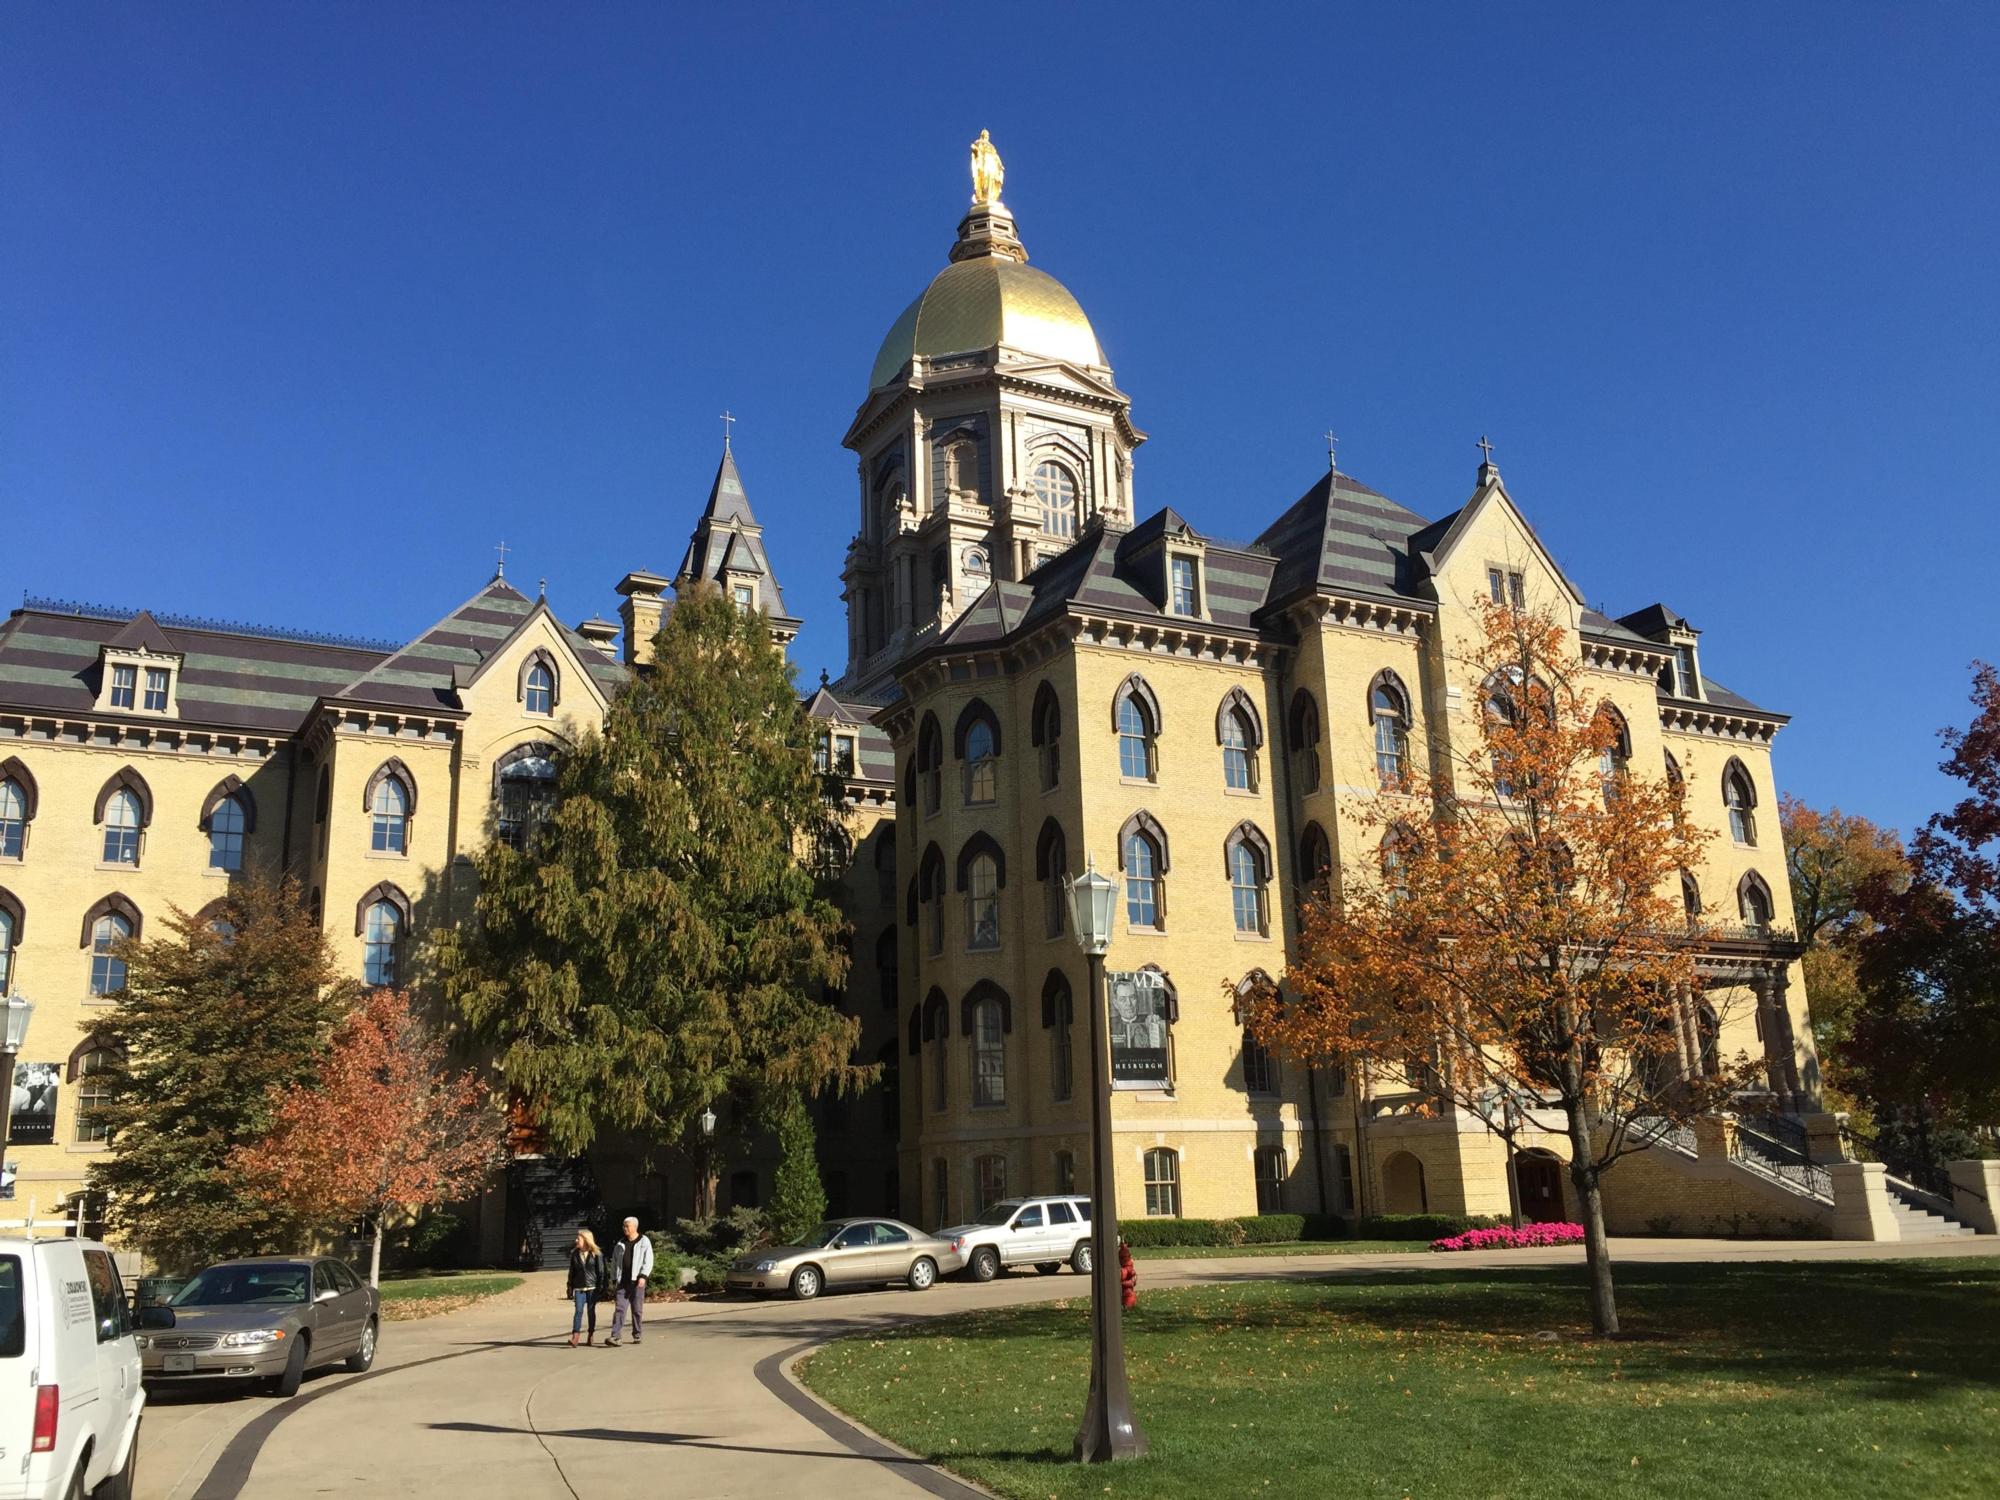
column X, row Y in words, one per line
column 1290, row 1247
column 1826, row 1379
column 427, row 1294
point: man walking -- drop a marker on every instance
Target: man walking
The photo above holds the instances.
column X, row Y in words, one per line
column 631, row 1264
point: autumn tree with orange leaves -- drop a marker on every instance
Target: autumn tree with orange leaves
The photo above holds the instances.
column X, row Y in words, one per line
column 1521, row 950
column 388, row 1128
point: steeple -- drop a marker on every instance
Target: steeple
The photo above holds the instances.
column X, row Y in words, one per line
column 727, row 550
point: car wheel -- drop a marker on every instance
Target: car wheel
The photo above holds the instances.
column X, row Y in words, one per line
column 287, row 1384
column 1048, row 1267
column 1081, row 1261
column 985, row 1264
column 923, row 1275
column 364, row 1356
column 124, row 1484
column 806, row 1283
column 76, row 1491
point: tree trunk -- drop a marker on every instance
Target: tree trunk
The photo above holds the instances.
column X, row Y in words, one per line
column 1596, row 1248
column 1513, row 1181
column 375, row 1260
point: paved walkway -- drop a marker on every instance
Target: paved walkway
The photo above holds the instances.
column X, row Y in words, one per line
column 490, row 1402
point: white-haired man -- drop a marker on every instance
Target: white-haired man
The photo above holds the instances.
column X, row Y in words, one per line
column 631, row 1264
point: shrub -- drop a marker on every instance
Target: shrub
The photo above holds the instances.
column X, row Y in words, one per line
column 1506, row 1237
column 1421, row 1226
column 1272, row 1229
column 1256, row 1229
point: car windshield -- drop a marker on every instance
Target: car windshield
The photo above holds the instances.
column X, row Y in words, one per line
column 825, row 1234
column 230, row 1286
column 999, row 1213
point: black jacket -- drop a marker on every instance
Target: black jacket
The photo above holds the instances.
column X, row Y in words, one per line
column 586, row 1272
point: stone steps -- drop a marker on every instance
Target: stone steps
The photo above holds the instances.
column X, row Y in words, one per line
column 1922, row 1224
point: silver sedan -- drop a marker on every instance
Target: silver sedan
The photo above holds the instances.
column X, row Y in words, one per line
column 847, row 1252
column 267, row 1319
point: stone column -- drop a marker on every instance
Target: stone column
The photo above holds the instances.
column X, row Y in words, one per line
column 1780, row 983
column 1683, row 1022
column 1861, row 1206
column 1775, row 1032
column 1975, row 1194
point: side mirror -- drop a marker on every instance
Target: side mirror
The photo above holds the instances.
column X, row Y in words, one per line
column 157, row 1316
column 327, row 1296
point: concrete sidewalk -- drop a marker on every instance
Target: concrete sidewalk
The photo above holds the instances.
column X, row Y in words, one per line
column 492, row 1402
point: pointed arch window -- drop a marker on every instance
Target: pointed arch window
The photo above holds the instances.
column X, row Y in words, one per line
column 1315, row 863
column 11, row 923
column 1394, row 853
column 227, row 824
column 1739, row 799
column 1690, row 899
column 930, row 896
column 1051, row 867
column 390, row 798
column 524, row 792
column 982, row 904
column 1135, row 716
column 1753, row 902
column 986, row 1024
column 1303, row 738
column 930, row 763
column 93, row 1072
column 978, row 748
column 1058, row 1018
column 1248, row 856
column 1142, row 856
column 538, row 687
column 1260, row 1066
column 121, row 829
column 1389, row 714
column 1269, row 1165
column 107, row 964
column 18, row 794
column 1056, row 491
column 1614, row 759
column 1240, row 732
column 937, row 1049
column 382, row 937
column 1045, row 733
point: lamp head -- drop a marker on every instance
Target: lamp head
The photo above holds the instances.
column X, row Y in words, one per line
column 18, row 1012
column 708, row 1122
column 1092, row 898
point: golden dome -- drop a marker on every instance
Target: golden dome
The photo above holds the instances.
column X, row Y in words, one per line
column 987, row 300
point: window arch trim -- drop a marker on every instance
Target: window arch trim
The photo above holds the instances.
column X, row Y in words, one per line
column 1734, row 769
column 11, row 904
column 117, row 904
column 1047, row 843
column 1045, row 718
column 382, row 891
column 985, row 990
column 1167, row 987
column 527, row 750
column 1387, row 679
column 230, row 786
column 1623, row 747
column 393, row 766
column 86, row 1046
column 1144, row 822
column 1753, row 883
column 1248, row 833
column 971, row 714
column 1239, row 702
column 127, row 780
column 930, row 744
column 937, row 1015
column 978, row 844
column 540, row 656
column 930, row 873
column 1313, row 841
column 216, row 910
column 1135, row 686
column 11, row 769
column 1058, row 1000
column 1304, row 716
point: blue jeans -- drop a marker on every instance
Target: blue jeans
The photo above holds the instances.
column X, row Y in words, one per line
column 586, row 1307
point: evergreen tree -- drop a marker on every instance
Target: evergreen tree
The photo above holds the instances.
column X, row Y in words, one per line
column 798, row 1201
column 217, row 1020
column 669, row 932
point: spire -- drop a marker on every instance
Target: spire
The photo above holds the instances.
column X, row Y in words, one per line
column 727, row 500
column 726, row 548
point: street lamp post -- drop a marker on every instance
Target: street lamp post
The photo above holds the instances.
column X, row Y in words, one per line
column 707, row 1162
column 12, row 1041
column 1108, row 1431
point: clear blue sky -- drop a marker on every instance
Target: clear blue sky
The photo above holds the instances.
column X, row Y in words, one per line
column 306, row 306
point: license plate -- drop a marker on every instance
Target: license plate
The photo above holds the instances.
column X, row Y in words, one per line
column 180, row 1364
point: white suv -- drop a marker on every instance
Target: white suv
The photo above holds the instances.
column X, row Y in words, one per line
column 1040, row 1232
column 70, row 1396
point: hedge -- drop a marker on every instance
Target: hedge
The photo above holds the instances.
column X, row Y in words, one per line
column 1284, row 1229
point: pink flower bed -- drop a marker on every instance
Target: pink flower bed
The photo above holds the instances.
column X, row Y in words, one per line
column 1509, row 1238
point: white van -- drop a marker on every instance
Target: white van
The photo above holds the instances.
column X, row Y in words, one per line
column 70, row 1396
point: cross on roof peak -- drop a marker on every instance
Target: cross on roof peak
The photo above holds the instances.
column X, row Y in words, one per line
column 1332, row 444
column 503, row 549
column 1487, row 449
column 728, row 418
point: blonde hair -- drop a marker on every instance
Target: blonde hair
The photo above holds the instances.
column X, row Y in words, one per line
column 589, row 1242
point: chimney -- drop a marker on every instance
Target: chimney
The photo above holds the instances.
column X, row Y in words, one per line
column 643, row 611
column 602, row 634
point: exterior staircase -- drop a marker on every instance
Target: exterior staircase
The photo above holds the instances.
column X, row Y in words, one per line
column 1924, row 1216
column 551, row 1198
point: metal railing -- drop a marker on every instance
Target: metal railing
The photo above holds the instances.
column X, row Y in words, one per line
column 1769, row 1148
column 1655, row 1131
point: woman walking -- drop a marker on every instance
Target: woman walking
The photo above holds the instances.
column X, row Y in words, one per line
column 586, row 1280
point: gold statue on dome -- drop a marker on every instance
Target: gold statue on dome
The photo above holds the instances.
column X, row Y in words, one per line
column 987, row 171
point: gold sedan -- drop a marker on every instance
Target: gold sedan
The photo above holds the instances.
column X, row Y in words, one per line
column 847, row 1252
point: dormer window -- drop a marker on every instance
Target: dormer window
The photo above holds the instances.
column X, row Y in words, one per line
column 124, row 682
column 156, row 690
column 1184, row 591
column 745, row 597
column 1687, row 681
column 137, row 680
column 538, row 695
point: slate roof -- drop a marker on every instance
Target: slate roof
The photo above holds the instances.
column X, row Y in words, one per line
column 243, row 678
column 877, row 755
column 727, row 539
column 1340, row 534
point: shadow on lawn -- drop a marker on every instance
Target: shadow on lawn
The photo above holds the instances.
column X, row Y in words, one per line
column 1876, row 1324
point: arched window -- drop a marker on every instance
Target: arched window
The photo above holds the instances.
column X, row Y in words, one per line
column 1269, row 1165
column 1066, row 1171
column 1503, row 718
column 381, row 940
column 930, row 763
column 1753, row 901
column 1058, row 1016
column 13, row 818
column 978, row 747
column 989, row 1178
column 538, row 691
column 107, row 967
column 937, row 1053
column 1690, row 898
column 962, row 468
column 1046, row 735
column 886, row 967
column 93, row 1072
column 1051, row 868
column 1056, row 489
column 1739, row 797
column 982, row 904
column 1248, row 857
column 10, row 933
column 1240, row 733
column 975, row 561
column 524, row 790
column 1163, row 1183
column 1315, row 862
column 989, row 1054
column 1137, row 720
column 1142, row 855
column 121, row 828
column 1708, row 1036
column 391, row 798
column 1260, row 1068
column 1397, row 841
column 1389, row 712
column 930, row 893
column 1615, row 758
column 1303, row 738
column 226, row 823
